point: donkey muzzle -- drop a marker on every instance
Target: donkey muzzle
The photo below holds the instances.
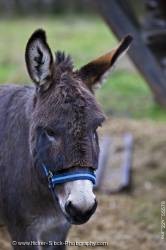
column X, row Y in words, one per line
column 76, row 215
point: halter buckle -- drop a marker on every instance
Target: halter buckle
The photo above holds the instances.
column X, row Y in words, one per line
column 49, row 176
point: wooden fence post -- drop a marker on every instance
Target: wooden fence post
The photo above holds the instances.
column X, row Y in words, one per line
column 120, row 24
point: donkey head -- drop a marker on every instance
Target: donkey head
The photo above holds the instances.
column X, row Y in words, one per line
column 65, row 118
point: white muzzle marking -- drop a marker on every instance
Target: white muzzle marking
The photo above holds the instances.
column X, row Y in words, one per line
column 79, row 192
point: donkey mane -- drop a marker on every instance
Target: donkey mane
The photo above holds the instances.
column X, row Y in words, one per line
column 63, row 60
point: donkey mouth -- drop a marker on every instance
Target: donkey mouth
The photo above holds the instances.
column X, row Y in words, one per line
column 77, row 217
column 76, row 220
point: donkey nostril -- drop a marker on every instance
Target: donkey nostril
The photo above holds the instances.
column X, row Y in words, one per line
column 70, row 209
column 67, row 205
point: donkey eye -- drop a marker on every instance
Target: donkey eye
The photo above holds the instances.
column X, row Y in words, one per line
column 50, row 133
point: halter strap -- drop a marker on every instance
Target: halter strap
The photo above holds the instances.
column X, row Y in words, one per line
column 72, row 176
column 55, row 179
column 68, row 176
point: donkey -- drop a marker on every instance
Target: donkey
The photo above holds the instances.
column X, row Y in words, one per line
column 49, row 145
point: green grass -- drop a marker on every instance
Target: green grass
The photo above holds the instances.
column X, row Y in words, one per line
column 84, row 38
column 124, row 94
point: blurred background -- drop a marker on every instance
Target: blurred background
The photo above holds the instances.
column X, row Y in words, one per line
column 130, row 219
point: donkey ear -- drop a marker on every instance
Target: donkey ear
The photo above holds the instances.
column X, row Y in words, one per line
column 92, row 73
column 39, row 59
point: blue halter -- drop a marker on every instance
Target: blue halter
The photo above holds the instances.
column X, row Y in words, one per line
column 69, row 176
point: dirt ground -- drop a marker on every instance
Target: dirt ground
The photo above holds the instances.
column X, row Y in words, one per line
column 129, row 221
